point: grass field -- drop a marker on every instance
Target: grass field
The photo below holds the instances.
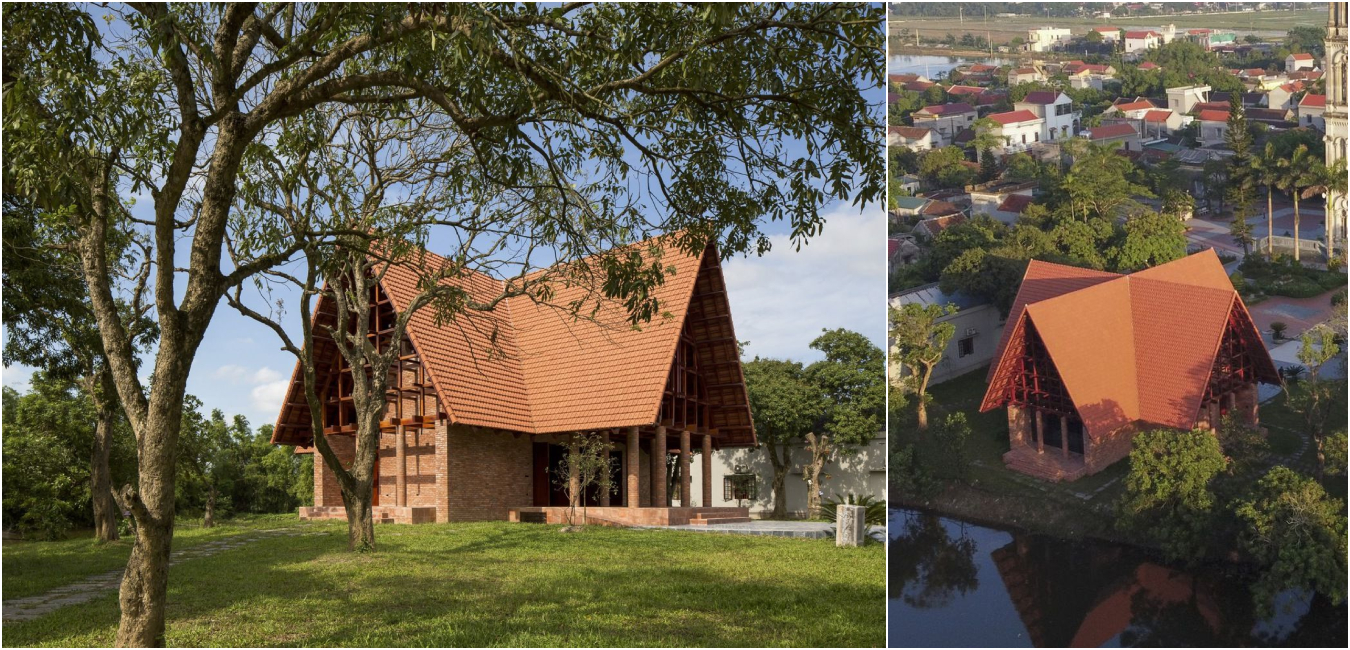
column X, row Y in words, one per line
column 501, row 584
column 1268, row 24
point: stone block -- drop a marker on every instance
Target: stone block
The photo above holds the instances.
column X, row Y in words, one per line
column 850, row 526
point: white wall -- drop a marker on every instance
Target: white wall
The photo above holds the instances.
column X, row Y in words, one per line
column 860, row 474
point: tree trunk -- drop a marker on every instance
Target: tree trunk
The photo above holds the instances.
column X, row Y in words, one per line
column 1296, row 224
column 921, row 397
column 780, row 472
column 100, row 474
column 209, row 520
column 1270, row 222
column 360, row 519
column 144, row 587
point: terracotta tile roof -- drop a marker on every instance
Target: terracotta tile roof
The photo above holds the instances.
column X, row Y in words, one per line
column 1130, row 348
column 1021, row 71
column 1268, row 114
column 1041, row 97
column 903, row 77
column 1111, row 131
column 1302, row 56
column 1140, row 35
column 1015, row 203
column 1135, row 106
column 964, row 90
column 1014, row 117
column 990, row 97
column 940, row 208
column 947, row 109
column 552, row 372
column 981, row 67
column 933, row 226
column 918, row 86
column 1319, row 101
column 909, row 132
column 1157, row 116
column 1213, row 116
column 1105, row 29
column 1254, row 72
column 1148, row 65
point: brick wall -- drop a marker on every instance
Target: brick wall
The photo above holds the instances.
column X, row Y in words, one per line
column 326, row 490
column 420, row 452
column 488, row 472
column 1104, row 450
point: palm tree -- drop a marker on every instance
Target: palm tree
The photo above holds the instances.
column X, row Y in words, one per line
column 1296, row 173
column 1266, row 171
column 1325, row 181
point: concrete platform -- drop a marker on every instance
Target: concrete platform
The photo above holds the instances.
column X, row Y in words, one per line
column 382, row 514
column 623, row 516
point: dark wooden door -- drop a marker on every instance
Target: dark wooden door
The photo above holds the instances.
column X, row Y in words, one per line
column 541, row 474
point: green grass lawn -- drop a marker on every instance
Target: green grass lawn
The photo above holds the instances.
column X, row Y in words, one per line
column 34, row 567
column 502, row 584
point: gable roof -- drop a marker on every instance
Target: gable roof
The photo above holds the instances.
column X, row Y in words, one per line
column 959, row 89
column 1015, row 203
column 909, row 132
column 1214, row 116
column 1137, row 105
column 1142, row 34
column 955, row 108
column 1111, row 131
column 1319, row 101
column 551, row 372
column 1301, row 56
column 1129, row 348
column 1014, row 117
column 1157, row 116
column 1041, row 97
column 1148, row 65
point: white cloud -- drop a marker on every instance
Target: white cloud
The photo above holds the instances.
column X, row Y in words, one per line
column 17, row 377
column 266, row 398
column 230, row 372
column 781, row 302
column 266, row 375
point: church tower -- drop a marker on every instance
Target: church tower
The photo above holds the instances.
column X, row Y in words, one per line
column 1338, row 27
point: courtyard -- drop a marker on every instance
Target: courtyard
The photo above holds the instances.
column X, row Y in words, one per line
column 284, row 582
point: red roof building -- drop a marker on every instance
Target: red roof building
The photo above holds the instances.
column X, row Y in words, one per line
column 1013, row 117
column 1208, row 115
column 1149, row 65
column 1089, row 358
column 960, row 90
column 1315, row 101
column 956, row 108
column 1111, row 132
column 480, row 409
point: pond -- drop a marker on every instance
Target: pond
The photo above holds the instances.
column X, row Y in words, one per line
column 954, row 584
column 931, row 66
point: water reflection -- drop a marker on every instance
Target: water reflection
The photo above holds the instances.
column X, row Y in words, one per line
column 933, row 66
column 954, row 584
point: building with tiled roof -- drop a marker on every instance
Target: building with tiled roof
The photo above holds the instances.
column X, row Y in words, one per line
column 1090, row 358
column 1056, row 108
column 1029, row 74
column 959, row 90
column 1112, row 133
column 480, row 409
column 1137, row 42
column 910, row 137
column 1149, row 65
column 945, row 120
column 1300, row 61
column 1017, row 129
column 1311, row 110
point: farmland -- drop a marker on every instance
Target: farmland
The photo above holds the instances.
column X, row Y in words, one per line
column 1267, row 24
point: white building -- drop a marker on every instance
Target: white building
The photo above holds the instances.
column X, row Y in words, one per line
column 1138, row 42
column 1300, row 61
column 979, row 325
column 1184, row 98
column 909, row 137
column 945, row 120
column 993, row 199
column 1019, row 129
column 1029, row 74
column 1213, row 127
column 1134, row 110
column 749, row 473
column 1045, row 39
column 1109, row 34
column 1056, row 109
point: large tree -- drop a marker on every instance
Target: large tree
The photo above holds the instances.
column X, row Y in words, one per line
column 1265, row 170
column 1169, row 497
column 919, row 336
column 183, row 102
column 852, row 377
column 786, row 406
column 1298, row 171
column 1241, row 180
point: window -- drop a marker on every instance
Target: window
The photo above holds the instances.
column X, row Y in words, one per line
column 965, row 347
column 736, row 487
column 1024, row 138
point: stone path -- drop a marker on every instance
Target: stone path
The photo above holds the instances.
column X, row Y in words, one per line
column 91, row 587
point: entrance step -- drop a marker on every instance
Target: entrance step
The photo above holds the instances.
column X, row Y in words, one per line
column 713, row 521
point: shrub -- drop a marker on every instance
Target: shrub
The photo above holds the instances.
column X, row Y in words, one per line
column 1168, row 499
column 875, row 508
column 1278, row 328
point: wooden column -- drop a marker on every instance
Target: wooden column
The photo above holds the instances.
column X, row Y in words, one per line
column 573, row 478
column 659, row 450
column 1040, row 430
column 633, row 489
column 686, row 500
column 401, row 455
column 1064, row 436
column 707, row 471
column 604, row 493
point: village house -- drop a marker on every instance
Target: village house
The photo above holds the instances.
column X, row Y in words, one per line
column 1088, row 359
column 964, row 92
column 1029, row 74
column 1018, row 129
column 1299, row 61
column 945, row 120
column 480, row 414
column 1183, row 99
column 993, row 199
column 1055, row 109
column 977, row 323
column 905, row 77
column 1089, row 75
column 1310, row 110
column 1210, row 39
column 1276, row 118
column 1109, row 34
column 1045, row 39
column 930, row 227
column 1134, row 109
column 1282, row 96
column 1122, row 133
column 909, row 137
column 1161, row 123
column 1213, row 127
column 1138, row 42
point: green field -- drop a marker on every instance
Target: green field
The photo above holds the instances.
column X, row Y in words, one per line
column 1268, row 24
column 502, row 584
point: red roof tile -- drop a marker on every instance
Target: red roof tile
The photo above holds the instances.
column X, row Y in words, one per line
column 964, row 90
column 1111, row 131
column 1131, row 348
column 1015, row 203
column 1302, row 56
column 956, row 108
column 1213, row 116
column 1142, row 34
column 1041, row 97
column 910, row 132
column 1135, row 106
column 1013, row 117
column 918, row 86
column 1157, row 116
column 1319, row 101
column 1148, row 65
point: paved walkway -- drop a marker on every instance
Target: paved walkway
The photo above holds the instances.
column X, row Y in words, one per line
column 31, row 607
column 804, row 529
